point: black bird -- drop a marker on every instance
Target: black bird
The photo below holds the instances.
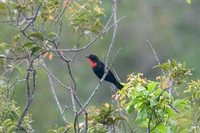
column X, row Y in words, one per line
column 99, row 69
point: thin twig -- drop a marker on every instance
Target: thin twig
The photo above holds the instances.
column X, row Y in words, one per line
column 172, row 82
column 92, row 42
column 13, row 58
column 29, row 92
column 114, row 9
column 109, row 20
column 156, row 125
column 149, row 121
column 56, row 79
column 108, row 53
column 155, row 55
column 77, row 45
column 54, row 93
column 175, row 109
column 32, row 19
column 76, row 123
column 93, row 93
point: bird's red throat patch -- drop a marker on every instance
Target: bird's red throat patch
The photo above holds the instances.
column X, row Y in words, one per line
column 92, row 63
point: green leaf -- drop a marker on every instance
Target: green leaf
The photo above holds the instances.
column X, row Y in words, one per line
column 2, row 5
column 130, row 106
column 9, row 125
column 29, row 44
column 151, row 86
column 3, row 45
column 144, row 123
column 11, row 128
column 140, row 88
column 33, row 47
column 6, row 122
column 189, row 1
column 37, row 35
column 61, row 129
column 153, row 102
column 17, row 38
column 180, row 103
column 2, row 61
column 162, row 128
column 51, row 131
column 170, row 111
column 13, row 115
column 35, row 50
column 158, row 92
column 3, row 9
column 142, row 115
column 52, row 35
column 138, row 104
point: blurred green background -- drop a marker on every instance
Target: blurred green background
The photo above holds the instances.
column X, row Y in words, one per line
column 172, row 27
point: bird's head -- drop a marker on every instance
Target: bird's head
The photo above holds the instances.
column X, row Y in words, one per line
column 93, row 59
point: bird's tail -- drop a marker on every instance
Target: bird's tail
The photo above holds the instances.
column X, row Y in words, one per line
column 118, row 85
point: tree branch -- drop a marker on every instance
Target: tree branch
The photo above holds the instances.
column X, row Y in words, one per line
column 155, row 55
column 30, row 92
column 90, row 43
column 54, row 93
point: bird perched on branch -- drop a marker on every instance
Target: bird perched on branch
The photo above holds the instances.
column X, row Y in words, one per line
column 99, row 69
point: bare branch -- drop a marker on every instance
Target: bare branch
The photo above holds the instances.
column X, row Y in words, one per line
column 93, row 93
column 114, row 9
column 56, row 79
column 77, row 45
column 158, row 123
column 155, row 55
column 13, row 58
column 175, row 109
column 109, row 50
column 149, row 121
column 30, row 92
column 32, row 19
column 54, row 93
column 90, row 43
column 76, row 121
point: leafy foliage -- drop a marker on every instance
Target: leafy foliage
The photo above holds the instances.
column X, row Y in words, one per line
column 156, row 110
column 100, row 119
column 175, row 72
column 85, row 16
column 10, row 112
column 2, row 9
column 193, row 91
column 189, row 1
column 50, row 9
column 57, row 130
